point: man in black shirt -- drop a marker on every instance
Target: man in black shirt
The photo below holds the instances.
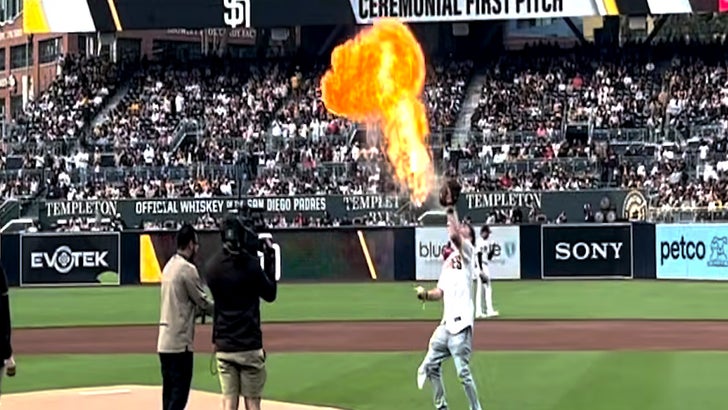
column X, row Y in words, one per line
column 6, row 350
column 237, row 283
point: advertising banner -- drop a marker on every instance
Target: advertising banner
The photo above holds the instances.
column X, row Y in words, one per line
column 586, row 251
column 423, row 11
column 69, row 259
column 429, row 241
column 477, row 205
column 334, row 255
column 42, row 17
column 722, row 5
column 155, row 250
column 628, row 205
column 134, row 212
column 692, row 251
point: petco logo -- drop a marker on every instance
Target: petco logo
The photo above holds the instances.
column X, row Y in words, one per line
column 695, row 250
column 63, row 260
column 718, row 257
column 692, row 251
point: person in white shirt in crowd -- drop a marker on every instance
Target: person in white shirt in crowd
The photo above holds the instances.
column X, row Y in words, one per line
column 485, row 249
column 454, row 336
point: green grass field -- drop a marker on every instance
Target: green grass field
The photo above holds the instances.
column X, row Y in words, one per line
column 507, row 380
column 389, row 301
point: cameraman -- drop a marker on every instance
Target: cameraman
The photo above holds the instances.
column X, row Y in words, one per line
column 237, row 284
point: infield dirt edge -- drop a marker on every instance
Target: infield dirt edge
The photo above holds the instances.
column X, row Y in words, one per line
column 122, row 397
column 399, row 337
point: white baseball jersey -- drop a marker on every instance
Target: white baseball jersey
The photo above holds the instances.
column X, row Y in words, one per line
column 482, row 246
column 456, row 285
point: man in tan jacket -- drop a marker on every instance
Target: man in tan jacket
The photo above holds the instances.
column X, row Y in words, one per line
column 182, row 296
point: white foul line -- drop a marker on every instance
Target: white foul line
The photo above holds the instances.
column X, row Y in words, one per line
column 104, row 392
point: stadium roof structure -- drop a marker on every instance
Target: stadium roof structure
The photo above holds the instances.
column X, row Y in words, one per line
column 88, row 16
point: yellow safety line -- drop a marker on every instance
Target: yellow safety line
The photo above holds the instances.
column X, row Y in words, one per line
column 367, row 256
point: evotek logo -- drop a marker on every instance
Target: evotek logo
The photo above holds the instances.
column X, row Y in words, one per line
column 592, row 251
column 63, row 260
column 691, row 250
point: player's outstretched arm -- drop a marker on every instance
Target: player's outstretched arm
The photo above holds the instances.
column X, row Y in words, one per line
column 453, row 227
column 449, row 194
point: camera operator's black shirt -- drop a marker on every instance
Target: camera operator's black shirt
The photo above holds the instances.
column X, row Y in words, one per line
column 237, row 284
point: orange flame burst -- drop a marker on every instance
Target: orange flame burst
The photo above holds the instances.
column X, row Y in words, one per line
column 377, row 78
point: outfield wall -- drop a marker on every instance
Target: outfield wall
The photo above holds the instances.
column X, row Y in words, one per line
column 542, row 252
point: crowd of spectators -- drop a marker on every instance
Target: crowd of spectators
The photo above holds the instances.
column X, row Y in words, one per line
column 304, row 114
column 541, row 87
column 444, row 92
column 229, row 102
column 82, row 88
column 264, row 118
column 265, row 124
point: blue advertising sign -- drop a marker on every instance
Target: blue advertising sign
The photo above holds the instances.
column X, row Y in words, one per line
column 692, row 251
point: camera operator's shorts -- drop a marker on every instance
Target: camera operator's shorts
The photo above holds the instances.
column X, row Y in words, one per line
column 242, row 373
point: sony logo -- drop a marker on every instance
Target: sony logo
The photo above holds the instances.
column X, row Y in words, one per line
column 592, row 250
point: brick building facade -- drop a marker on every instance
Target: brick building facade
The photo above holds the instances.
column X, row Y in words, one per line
column 29, row 63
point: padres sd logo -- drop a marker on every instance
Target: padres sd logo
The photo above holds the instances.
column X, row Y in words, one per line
column 635, row 206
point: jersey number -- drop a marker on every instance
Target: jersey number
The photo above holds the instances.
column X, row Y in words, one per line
column 457, row 263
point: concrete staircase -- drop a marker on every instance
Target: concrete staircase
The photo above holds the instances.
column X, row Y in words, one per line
column 113, row 102
column 472, row 96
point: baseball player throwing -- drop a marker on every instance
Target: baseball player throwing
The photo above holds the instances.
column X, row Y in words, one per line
column 454, row 336
column 484, row 290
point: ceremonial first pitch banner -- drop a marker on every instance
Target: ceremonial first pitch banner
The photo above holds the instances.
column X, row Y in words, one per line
column 429, row 241
column 74, row 16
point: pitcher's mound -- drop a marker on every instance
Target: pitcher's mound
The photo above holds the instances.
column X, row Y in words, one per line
column 122, row 398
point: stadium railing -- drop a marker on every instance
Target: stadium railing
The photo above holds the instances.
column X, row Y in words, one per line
column 146, row 173
column 687, row 214
column 625, row 134
column 707, row 131
column 572, row 165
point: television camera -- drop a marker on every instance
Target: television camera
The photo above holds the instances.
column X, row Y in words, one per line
column 245, row 231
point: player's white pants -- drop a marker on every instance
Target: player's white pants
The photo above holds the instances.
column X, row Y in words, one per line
column 484, row 294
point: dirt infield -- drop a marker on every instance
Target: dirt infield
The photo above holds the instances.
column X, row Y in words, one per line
column 121, row 398
column 401, row 336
